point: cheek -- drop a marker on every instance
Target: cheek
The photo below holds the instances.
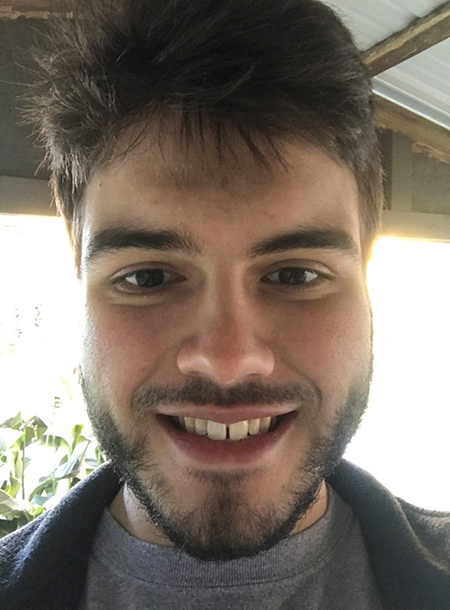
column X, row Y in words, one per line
column 329, row 341
column 126, row 345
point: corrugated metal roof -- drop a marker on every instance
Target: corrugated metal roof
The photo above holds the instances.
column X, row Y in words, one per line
column 421, row 83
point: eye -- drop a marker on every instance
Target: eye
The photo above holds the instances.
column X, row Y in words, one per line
column 292, row 276
column 145, row 280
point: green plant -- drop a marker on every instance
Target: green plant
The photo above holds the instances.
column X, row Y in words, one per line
column 66, row 462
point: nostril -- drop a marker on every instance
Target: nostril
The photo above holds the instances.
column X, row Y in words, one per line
column 226, row 362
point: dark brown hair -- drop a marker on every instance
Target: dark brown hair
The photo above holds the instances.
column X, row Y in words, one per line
column 262, row 70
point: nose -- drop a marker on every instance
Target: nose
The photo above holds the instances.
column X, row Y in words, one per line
column 225, row 345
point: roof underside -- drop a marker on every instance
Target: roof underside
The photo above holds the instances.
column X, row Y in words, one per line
column 421, row 83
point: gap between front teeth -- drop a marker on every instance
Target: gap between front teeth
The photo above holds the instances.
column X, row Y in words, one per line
column 220, row 432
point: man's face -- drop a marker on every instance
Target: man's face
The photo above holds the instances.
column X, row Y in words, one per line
column 225, row 304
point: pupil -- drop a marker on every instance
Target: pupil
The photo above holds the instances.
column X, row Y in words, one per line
column 154, row 277
column 293, row 275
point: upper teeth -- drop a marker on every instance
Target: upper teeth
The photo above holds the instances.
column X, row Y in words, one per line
column 219, row 432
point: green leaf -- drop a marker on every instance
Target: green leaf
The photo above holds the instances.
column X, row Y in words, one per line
column 10, row 508
column 39, row 501
column 70, row 449
column 13, row 422
column 15, row 513
column 34, row 429
column 70, row 469
column 29, row 435
column 76, row 435
column 17, row 470
column 8, row 436
column 7, row 527
column 81, row 439
column 46, row 484
column 37, row 422
column 39, row 510
column 13, row 487
column 92, row 463
column 77, row 430
column 40, row 431
column 54, row 441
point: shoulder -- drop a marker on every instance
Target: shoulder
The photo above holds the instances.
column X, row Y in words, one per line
column 408, row 546
column 50, row 553
column 432, row 528
column 14, row 548
column 374, row 503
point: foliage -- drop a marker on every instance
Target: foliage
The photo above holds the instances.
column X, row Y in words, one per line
column 70, row 459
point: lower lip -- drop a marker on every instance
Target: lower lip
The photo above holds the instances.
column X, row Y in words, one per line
column 236, row 453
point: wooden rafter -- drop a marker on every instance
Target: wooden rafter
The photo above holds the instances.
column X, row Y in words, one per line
column 427, row 136
column 416, row 37
column 419, row 35
column 31, row 9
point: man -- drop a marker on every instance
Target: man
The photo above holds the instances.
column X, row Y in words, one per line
column 217, row 167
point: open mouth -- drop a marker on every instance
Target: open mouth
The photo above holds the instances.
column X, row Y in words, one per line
column 216, row 431
column 238, row 444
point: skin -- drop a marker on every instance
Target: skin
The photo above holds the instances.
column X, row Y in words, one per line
column 221, row 323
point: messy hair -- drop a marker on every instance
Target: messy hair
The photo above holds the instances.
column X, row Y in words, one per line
column 241, row 72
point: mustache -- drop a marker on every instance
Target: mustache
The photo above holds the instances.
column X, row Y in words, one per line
column 202, row 392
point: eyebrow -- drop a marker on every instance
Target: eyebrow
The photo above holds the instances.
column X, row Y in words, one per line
column 119, row 238
column 167, row 240
column 323, row 238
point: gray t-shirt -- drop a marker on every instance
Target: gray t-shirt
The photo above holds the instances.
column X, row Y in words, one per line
column 325, row 566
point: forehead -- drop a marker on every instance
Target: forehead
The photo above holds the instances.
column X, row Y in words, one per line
column 220, row 195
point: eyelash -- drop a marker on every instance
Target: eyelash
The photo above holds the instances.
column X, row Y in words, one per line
column 304, row 271
column 136, row 289
column 121, row 281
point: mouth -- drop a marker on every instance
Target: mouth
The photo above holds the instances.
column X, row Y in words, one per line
column 236, row 444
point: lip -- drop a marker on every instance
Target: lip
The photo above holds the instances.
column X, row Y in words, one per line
column 227, row 415
column 206, row 452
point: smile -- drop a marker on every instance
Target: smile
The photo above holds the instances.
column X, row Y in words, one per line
column 208, row 442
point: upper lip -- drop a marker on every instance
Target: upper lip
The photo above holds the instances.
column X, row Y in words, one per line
column 226, row 415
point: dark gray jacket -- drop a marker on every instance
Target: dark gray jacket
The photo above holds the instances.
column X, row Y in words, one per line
column 44, row 564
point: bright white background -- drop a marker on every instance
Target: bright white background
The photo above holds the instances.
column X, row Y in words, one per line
column 404, row 439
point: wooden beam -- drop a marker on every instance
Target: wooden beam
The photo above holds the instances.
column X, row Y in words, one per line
column 419, row 35
column 31, row 9
column 25, row 196
column 416, row 225
column 427, row 136
column 397, row 165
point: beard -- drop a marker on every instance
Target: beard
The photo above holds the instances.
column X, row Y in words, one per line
column 226, row 525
